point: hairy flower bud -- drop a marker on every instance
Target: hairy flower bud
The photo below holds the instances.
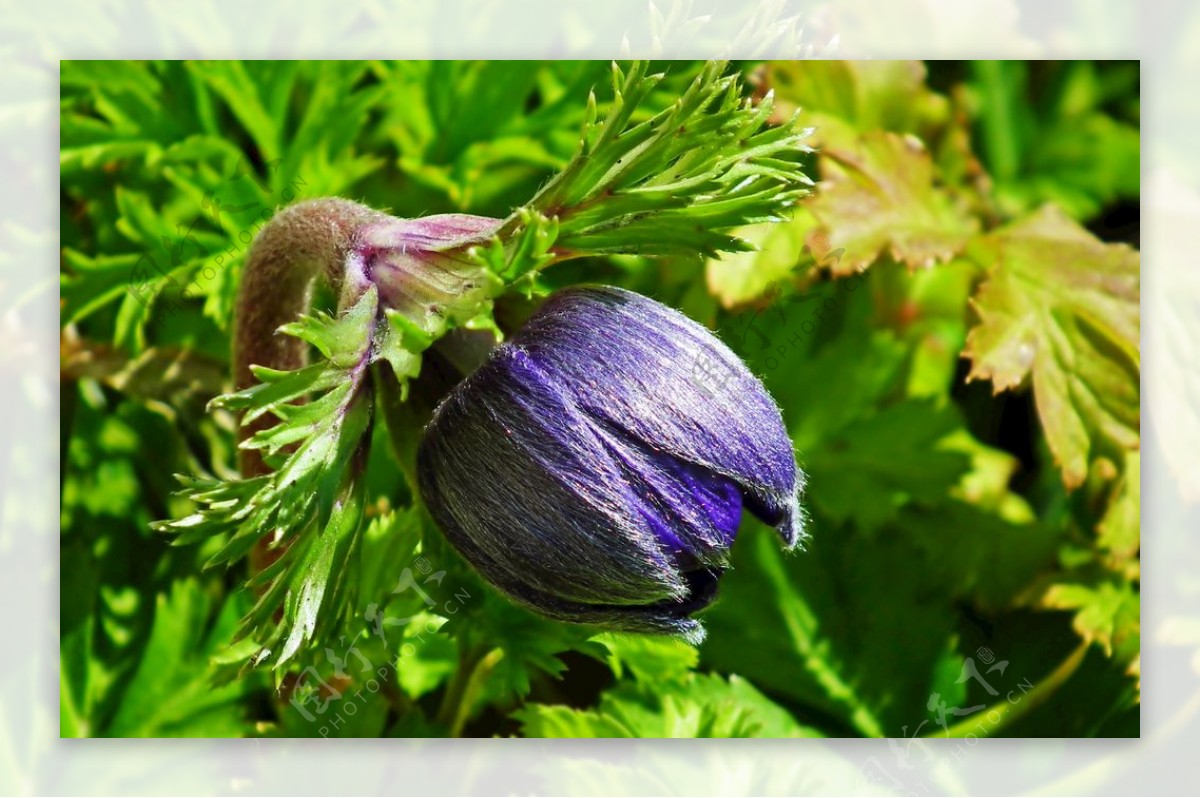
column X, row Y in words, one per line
column 421, row 265
column 595, row 467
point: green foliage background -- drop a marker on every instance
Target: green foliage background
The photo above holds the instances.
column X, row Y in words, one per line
column 949, row 321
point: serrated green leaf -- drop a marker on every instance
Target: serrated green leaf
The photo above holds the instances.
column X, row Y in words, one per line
column 311, row 506
column 346, row 340
column 322, row 569
column 648, row 658
column 737, row 278
column 896, row 457
column 428, row 658
column 90, row 283
column 972, row 553
column 1120, row 530
column 878, row 198
column 672, row 184
column 838, row 627
column 231, row 80
column 171, row 694
column 699, row 706
column 1063, row 307
column 1107, row 614
column 840, row 99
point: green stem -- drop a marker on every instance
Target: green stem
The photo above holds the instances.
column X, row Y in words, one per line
column 463, row 691
column 403, row 421
column 467, row 661
column 1010, row 711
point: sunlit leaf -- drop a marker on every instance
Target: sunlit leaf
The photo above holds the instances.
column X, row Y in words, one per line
column 698, row 706
column 878, row 197
column 171, row 693
column 1120, row 530
column 1062, row 307
column 1107, row 614
column 841, row 98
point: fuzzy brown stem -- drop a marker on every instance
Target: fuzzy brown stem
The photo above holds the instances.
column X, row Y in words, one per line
column 303, row 242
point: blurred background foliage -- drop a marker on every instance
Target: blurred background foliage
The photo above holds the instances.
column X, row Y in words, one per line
column 950, row 323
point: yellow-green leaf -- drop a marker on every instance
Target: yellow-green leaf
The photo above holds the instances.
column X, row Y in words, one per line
column 738, row 278
column 1120, row 531
column 840, row 98
column 1062, row 305
column 877, row 196
column 1108, row 615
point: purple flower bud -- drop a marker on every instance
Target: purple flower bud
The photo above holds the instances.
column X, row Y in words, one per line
column 420, row 265
column 595, row 467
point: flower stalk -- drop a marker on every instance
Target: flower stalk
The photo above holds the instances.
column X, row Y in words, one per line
column 676, row 182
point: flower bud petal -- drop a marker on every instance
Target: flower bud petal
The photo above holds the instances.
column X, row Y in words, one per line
column 667, row 381
column 420, row 266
